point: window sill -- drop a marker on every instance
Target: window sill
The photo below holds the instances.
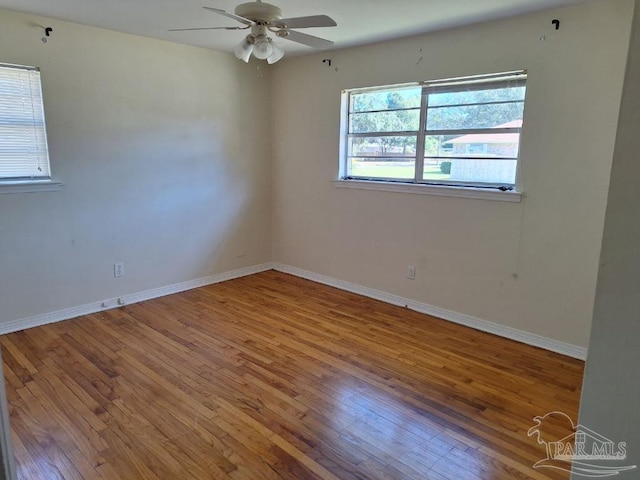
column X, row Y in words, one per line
column 441, row 190
column 29, row 187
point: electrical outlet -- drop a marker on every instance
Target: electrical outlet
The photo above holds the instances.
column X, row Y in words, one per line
column 411, row 272
column 118, row 270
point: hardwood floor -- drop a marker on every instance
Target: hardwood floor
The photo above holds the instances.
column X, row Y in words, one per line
column 275, row 377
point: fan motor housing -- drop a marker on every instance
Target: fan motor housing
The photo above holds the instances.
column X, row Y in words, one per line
column 259, row 12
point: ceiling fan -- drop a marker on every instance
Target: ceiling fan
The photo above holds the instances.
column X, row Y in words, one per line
column 263, row 18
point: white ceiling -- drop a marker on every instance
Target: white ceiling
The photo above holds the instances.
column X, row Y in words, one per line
column 359, row 22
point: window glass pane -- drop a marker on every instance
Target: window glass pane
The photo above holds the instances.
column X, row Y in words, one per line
column 503, row 115
column 393, row 121
column 495, row 145
column 477, row 96
column 382, row 147
column 471, row 170
column 385, row 99
column 392, row 168
column 436, row 169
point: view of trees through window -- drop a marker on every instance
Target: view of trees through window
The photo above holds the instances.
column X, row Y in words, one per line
column 478, row 123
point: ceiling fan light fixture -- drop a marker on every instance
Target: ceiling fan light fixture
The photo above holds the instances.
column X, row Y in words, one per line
column 243, row 50
column 264, row 19
column 262, row 47
column 276, row 55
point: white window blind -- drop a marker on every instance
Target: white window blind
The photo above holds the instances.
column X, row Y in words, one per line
column 23, row 140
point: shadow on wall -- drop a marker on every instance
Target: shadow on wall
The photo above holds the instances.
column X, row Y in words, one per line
column 159, row 147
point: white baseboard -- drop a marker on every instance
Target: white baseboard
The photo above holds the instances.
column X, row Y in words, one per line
column 460, row 318
column 99, row 306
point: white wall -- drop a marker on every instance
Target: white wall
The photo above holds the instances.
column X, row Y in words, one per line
column 531, row 266
column 165, row 159
column 165, row 153
column 611, row 391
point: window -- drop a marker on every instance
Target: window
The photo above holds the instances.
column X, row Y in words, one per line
column 24, row 155
column 462, row 132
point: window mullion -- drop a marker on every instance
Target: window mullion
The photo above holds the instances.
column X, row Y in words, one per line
column 382, row 134
column 345, row 168
column 475, row 131
column 420, row 141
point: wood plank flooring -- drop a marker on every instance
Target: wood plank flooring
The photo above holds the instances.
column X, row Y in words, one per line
column 274, row 377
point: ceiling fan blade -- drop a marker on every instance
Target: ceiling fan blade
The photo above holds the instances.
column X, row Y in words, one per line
column 303, row 38
column 206, row 28
column 238, row 18
column 305, row 22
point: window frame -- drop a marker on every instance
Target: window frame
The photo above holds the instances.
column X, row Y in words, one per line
column 39, row 142
column 468, row 83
